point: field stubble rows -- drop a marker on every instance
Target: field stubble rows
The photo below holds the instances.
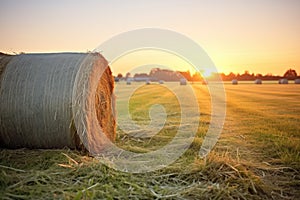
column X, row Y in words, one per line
column 256, row 157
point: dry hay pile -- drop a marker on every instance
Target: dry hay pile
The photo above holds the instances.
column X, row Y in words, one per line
column 4, row 60
column 234, row 82
column 37, row 95
column 283, row 81
column 258, row 81
column 182, row 81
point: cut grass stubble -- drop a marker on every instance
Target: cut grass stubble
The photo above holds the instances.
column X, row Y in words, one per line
column 257, row 156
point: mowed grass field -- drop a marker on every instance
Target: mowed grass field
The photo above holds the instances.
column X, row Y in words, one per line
column 257, row 155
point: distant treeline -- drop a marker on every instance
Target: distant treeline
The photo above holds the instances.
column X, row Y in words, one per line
column 157, row 74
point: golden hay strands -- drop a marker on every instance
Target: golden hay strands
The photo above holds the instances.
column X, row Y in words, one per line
column 36, row 99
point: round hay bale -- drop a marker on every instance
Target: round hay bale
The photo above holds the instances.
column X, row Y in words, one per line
column 4, row 60
column 36, row 95
column 283, row 81
column 258, row 81
column 234, row 82
column 182, row 81
column 116, row 79
column 297, row 81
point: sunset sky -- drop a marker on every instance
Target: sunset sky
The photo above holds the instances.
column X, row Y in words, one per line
column 261, row 36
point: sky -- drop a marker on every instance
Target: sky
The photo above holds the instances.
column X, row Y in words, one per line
column 260, row 36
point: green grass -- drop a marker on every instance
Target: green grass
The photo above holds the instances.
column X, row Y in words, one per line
column 256, row 157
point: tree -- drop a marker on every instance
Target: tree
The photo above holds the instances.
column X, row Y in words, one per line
column 186, row 75
column 258, row 75
column 197, row 77
column 120, row 76
column 291, row 73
